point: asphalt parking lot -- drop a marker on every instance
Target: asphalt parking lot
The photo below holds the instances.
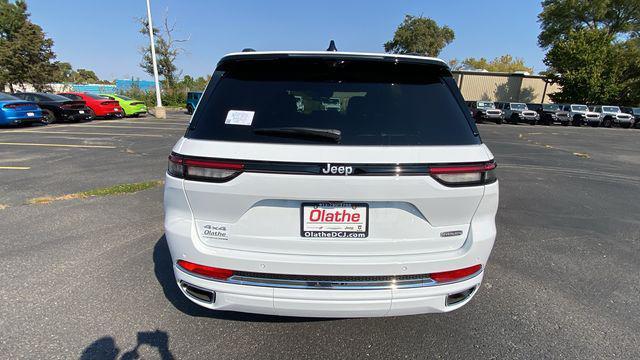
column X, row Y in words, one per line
column 91, row 277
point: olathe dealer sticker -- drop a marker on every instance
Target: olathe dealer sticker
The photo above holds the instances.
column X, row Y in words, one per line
column 213, row 230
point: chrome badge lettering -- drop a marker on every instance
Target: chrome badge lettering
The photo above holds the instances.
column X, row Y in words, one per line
column 337, row 170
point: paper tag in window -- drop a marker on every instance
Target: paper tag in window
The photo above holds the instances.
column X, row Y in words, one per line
column 239, row 117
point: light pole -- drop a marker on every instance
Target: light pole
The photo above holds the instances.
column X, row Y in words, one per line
column 160, row 112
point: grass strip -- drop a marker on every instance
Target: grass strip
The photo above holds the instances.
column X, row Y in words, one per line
column 105, row 191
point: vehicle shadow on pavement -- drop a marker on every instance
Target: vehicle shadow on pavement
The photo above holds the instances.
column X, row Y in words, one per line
column 163, row 267
column 105, row 347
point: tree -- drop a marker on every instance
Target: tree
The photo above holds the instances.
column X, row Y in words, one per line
column 591, row 68
column 504, row 63
column 26, row 55
column 167, row 51
column 617, row 18
column 593, row 49
column 188, row 83
column 455, row 64
column 419, row 35
column 66, row 74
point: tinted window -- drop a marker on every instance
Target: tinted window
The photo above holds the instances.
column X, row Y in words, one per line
column 96, row 96
column 518, row 106
column 50, row 97
column 72, row 96
column 368, row 102
column 551, row 107
column 7, row 97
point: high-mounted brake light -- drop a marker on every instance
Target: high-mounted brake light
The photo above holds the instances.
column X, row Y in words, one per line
column 465, row 174
column 206, row 271
column 202, row 169
column 454, row 275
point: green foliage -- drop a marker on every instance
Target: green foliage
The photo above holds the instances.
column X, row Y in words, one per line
column 176, row 97
column 26, row 55
column 167, row 51
column 559, row 18
column 66, row 74
column 504, row 63
column 590, row 67
column 419, row 35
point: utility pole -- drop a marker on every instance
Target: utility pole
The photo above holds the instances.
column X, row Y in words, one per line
column 160, row 113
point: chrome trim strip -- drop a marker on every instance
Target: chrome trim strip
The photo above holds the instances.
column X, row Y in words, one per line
column 318, row 284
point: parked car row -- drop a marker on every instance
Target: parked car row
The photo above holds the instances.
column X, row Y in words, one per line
column 549, row 114
column 40, row 107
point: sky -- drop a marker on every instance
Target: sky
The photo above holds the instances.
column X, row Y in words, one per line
column 103, row 35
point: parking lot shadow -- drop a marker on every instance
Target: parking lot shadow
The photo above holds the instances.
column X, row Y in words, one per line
column 163, row 267
column 105, row 347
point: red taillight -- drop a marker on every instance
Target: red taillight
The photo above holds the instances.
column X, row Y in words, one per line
column 203, row 169
column 111, row 103
column 207, row 271
column 454, row 275
column 15, row 106
column 465, row 174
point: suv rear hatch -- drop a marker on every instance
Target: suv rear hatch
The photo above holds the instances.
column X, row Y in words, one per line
column 263, row 151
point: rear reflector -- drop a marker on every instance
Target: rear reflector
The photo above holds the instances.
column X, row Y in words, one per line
column 206, row 271
column 200, row 169
column 464, row 174
column 454, row 275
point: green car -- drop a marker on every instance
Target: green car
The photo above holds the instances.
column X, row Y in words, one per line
column 129, row 106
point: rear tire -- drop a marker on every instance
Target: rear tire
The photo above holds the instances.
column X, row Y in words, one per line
column 124, row 113
column 190, row 110
column 48, row 117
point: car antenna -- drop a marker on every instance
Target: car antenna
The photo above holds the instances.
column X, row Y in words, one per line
column 248, row 50
column 332, row 46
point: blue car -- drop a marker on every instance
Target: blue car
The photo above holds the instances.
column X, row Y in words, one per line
column 192, row 100
column 14, row 111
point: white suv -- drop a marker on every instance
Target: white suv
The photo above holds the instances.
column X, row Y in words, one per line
column 381, row 205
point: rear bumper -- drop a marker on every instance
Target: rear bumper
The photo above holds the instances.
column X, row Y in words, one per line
column 327, row 303
column 19, row 117
column 74, row 115
column 184, row 243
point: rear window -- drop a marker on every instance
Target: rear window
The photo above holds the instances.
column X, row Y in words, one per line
column 365, row 102
column 96, row 96
column 7, row 97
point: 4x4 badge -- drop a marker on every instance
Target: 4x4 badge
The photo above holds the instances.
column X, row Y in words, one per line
column 337, row 170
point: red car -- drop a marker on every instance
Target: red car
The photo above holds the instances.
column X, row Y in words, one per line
column 100, row 106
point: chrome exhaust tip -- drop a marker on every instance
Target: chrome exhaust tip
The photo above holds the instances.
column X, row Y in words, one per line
column 198, row 293
column 456, row 298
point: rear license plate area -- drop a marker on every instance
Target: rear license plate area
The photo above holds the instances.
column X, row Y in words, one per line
column 334, row 220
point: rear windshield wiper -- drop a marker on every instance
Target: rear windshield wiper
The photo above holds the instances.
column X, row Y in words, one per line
column 302, row 132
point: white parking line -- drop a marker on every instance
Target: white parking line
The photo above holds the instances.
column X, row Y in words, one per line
column 15, row 167
column 123, row 127
column 58, row 145
column 82, row 133
column 159, row 122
